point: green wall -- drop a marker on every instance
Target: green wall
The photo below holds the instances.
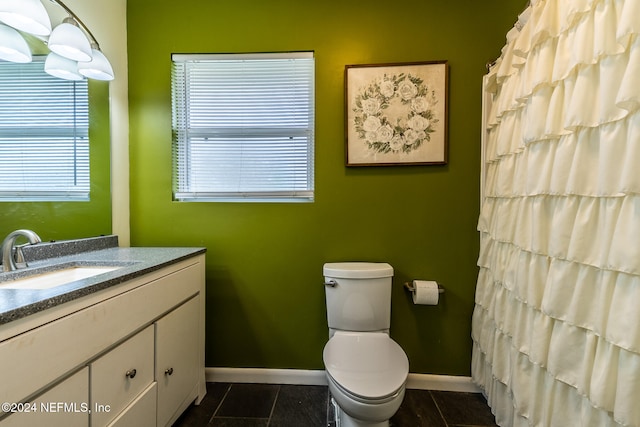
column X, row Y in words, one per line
column 71, row 220
column 265, row 298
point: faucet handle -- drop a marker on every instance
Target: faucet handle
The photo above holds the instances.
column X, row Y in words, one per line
column 19, row 256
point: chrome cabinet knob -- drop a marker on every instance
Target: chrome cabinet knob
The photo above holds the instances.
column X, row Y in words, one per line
column 131, row 373
column 168, row 371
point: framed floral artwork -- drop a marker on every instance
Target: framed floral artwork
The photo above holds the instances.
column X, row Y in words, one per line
column 396, row 114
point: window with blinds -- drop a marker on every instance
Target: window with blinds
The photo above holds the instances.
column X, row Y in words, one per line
column 44, row 135
column 243, row 127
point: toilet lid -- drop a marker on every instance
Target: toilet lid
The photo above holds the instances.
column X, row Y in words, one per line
column 366, row 364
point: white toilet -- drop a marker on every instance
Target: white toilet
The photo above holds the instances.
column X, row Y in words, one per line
column 366, row 369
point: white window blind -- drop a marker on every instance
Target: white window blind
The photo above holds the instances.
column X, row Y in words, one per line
column 44, row 135
column 243, row 127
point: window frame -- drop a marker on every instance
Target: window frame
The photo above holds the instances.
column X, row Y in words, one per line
column 302, row 137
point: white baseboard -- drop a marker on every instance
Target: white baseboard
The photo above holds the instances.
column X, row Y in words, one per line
column 442, row 383
column 318, row 377
column 266, row 376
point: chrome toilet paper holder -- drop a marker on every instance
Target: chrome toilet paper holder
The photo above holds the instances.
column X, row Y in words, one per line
column 409, row 286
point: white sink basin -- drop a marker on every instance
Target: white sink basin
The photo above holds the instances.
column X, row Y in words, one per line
column 57, row 277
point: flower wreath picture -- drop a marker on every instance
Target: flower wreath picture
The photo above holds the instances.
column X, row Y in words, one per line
column 396, row 114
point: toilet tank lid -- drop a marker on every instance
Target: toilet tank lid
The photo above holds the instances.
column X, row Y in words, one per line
column 357, row 270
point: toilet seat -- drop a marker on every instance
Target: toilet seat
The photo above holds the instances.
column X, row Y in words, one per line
column 369, row 366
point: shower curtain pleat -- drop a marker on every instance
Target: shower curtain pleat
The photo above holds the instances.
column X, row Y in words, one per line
column 556, row 324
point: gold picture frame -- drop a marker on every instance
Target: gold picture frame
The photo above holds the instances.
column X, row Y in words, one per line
column 396, row 114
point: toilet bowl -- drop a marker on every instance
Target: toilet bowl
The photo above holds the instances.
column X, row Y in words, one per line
column 366, row 373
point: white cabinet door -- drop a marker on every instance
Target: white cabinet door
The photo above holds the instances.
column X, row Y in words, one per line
column 120, row 375
column 64, row 405
column 177, row 360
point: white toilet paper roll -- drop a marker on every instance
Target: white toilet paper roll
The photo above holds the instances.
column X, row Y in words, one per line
column 425, row 292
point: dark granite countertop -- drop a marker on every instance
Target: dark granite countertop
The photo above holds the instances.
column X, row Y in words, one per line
column 45, row 257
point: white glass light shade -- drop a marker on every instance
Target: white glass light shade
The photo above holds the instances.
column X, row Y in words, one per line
column 98, row 68
column 68, row 41
column 62, row 68
column 29, row 16
column 13, row 47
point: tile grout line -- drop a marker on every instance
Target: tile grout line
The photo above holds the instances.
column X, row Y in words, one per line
column 444, row 420
column 220, row 404
column 273, row 407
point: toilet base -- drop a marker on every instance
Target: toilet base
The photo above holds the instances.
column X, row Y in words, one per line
column 342, row 419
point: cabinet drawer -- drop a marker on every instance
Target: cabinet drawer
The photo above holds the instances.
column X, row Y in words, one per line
column 120, row 375
column 141, row 412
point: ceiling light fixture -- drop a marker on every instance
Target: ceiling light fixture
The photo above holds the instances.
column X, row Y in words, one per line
column 29, row 16
column 98, row 68
column 13, row 47
column 61, row 67
column 70, row 40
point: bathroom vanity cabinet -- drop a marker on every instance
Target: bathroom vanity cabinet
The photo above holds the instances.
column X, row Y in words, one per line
column 128, row 355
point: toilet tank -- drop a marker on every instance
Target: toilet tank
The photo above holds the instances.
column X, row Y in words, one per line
column 358, row 295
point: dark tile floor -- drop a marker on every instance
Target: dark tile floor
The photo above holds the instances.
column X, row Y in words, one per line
column 262, row 405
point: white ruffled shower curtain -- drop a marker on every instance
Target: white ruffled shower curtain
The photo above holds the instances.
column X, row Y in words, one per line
column 556, row 326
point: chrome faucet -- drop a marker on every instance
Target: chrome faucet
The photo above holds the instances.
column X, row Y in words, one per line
column 11, row 252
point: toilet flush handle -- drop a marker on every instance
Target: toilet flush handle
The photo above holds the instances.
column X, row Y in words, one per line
column 331, row 283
